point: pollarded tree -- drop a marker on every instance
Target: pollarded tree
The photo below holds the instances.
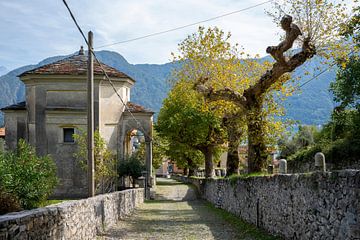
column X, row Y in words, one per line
column 208, row 55
column 316, row 29
column 185, row 118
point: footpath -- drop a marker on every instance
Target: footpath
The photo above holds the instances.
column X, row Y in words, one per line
column 177, row 214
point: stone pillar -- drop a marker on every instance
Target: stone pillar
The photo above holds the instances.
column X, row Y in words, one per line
column 148, row 151
column 283, row 166
column 320, row 164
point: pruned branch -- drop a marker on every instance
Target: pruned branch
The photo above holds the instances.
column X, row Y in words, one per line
column 292, row 33
column 282, row 66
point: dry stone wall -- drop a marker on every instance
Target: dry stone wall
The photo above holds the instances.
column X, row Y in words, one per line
column 295, row 206
column 80, row 219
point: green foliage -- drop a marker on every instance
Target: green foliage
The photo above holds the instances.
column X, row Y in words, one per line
column 28, row 177
column 185, row 157
column 105, row 161
column 186, row 121
column 304, row 138
column 131, row 167
column 346, row 88
column 159, row 146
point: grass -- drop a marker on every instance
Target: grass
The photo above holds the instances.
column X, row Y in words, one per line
column 52, row 201
column 233, row 178
column 245, row 229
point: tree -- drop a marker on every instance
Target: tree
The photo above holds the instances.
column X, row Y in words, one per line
column 186, row 118
column 187, row 158
column 26, row 177
column 207, row 56
column 317, row 30
column 339, row 139
column 132, row 167
column 304, row 138
column 105, row 162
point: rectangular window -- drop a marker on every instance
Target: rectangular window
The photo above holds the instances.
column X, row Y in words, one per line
column 68, row 135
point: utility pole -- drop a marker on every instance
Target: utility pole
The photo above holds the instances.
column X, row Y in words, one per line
column 90, row 117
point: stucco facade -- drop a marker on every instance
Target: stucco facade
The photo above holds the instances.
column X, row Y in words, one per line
column 56, row 105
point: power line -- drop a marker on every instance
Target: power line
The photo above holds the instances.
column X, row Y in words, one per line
column 324, row 71
column 317, row 75
column 77, row 25
column 184, row 26
column 104, row 71
column 119, row 96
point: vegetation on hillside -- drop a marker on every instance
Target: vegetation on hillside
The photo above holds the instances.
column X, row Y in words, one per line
column 339, row 139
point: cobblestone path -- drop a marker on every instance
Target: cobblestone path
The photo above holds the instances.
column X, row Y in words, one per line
column 170, row 217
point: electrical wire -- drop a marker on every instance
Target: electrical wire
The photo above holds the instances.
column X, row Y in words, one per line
column 323, row 71
column 184, row 26
column 105, row 73
column 77, row 25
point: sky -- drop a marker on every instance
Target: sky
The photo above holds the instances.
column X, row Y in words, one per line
column 34, row 30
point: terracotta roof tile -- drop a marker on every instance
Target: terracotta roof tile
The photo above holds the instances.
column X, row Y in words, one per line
column 136, row 108
column 75, row 65
column 2, row 132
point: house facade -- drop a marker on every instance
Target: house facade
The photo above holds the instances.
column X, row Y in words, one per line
column 56, row 108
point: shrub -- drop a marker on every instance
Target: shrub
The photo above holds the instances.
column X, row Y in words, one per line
column 131, row 167
column 9, row 202
column 105, row 161
column 28, row 177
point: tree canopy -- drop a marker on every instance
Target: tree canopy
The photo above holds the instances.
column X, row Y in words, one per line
column 187, row 119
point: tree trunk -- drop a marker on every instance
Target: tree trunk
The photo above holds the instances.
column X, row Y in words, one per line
column 235, row 132
column 233, row 161
column 185, row 171
column 209, row 165
column 257, row 154
column 191, row 167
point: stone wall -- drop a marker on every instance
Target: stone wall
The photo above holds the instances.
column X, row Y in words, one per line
column 80, row 219
column 308, row 165
column 298, row 206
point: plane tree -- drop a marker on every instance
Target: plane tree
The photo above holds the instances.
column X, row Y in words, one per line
column 312, row 26
column 187, row 120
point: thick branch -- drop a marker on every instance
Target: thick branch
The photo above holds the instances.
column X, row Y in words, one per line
column 226, row 94
column 279, row 69
column 292, row 32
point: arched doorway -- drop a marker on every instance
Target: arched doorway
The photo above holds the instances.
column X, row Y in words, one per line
column 137, row 120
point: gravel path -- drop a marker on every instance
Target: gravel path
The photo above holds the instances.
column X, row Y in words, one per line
column 170, row 217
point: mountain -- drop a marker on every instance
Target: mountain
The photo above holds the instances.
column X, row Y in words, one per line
column 313, row 103
column 311, row 106
column 3, row 70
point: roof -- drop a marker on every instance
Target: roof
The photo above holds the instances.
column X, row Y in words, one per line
column 136, row 108
column 2, row 132
column 74, row 65
column 17, row 106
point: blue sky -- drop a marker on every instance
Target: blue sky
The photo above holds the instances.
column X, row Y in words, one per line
column 37, row 29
